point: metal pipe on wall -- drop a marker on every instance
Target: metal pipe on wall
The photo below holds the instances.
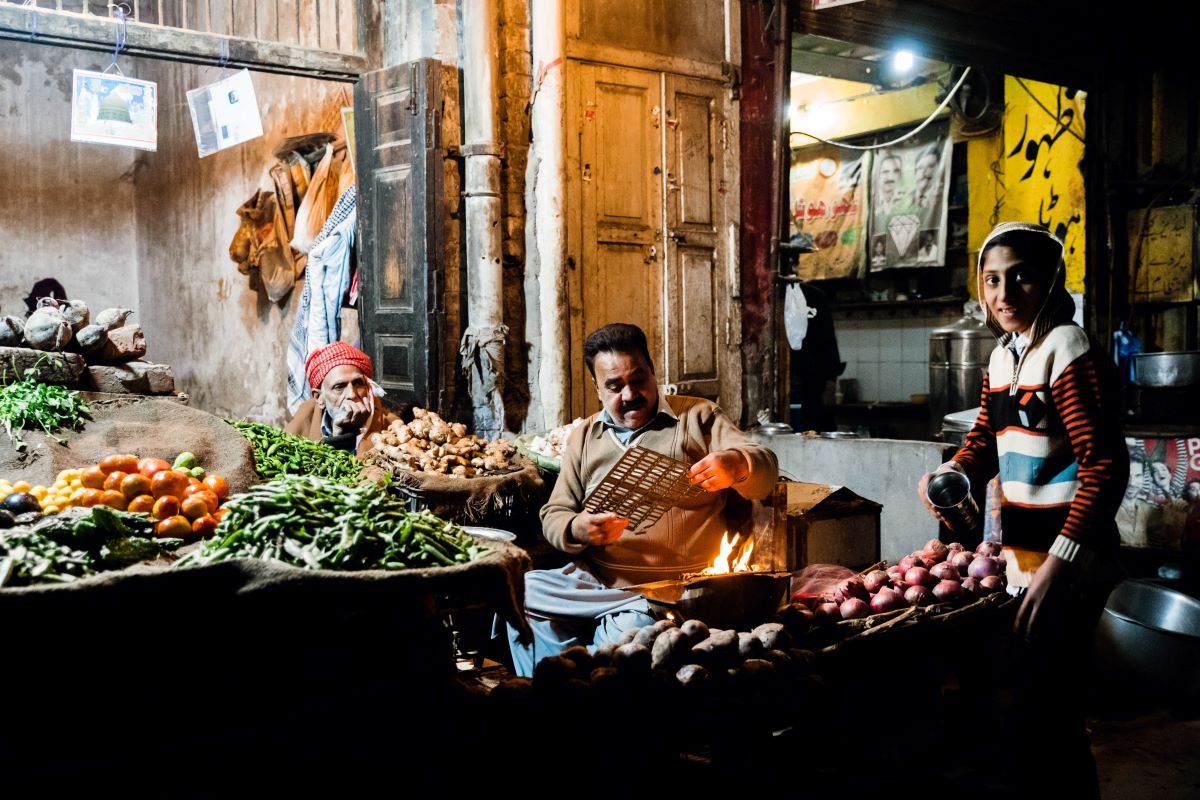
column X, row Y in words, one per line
column 548, row 153
column 482, row 345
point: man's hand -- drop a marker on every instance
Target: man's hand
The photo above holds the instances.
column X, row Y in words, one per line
column 597, row 529
column 720, row 470
column 1046, row 598
column 352, row 415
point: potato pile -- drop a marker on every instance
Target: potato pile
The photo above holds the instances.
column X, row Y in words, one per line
column 431, row 445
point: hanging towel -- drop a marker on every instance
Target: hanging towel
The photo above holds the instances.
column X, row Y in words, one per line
column 326, row 282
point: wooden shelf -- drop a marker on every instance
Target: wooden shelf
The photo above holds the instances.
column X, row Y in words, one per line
column 925, row 302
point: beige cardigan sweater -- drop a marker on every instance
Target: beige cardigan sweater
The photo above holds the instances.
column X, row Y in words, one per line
column 688, row 537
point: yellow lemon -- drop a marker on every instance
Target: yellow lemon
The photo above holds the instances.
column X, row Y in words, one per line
column 21, row 486
column 50, row 509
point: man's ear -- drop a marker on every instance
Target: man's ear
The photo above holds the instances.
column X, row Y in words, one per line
column 317, row 398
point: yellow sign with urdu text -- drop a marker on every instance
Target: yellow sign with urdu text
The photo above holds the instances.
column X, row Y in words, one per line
column 1043, row 164
column 1160, row 254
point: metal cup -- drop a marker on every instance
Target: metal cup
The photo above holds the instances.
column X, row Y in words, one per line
column 950, row 494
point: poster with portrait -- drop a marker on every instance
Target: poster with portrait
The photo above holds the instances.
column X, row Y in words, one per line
column 910, row 190
column 1161, row 506
column 827, row 193
column 108, row 108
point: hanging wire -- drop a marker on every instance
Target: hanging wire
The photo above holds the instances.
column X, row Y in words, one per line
column 945, row 102
column 1042, row 105
column 121, row 11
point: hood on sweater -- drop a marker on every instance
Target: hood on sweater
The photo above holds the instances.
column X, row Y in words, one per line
column 1057, row 306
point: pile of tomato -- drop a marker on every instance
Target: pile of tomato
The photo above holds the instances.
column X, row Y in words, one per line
column 184, row 505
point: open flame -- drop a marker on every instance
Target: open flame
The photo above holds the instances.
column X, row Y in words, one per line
column 734, row 556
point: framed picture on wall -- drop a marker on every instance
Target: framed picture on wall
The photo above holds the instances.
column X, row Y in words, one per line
column 108, row 108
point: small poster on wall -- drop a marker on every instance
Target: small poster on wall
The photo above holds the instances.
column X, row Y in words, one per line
column 109, row 108
column 910, row 191
column 827, row 191
column 1161, row 506
column 225, row 113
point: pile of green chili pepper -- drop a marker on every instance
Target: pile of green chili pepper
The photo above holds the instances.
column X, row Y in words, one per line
column 315, row 523
column 277, row 453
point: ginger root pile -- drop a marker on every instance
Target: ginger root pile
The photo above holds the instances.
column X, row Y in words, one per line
column 430, row 444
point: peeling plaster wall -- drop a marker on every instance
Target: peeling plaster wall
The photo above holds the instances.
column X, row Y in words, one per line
column 226, row 342
column 68, row 208
column 151, row 230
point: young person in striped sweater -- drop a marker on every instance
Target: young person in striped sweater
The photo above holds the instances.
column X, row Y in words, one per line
column 1050, row 425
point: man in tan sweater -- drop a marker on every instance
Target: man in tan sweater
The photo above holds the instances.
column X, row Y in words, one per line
column 583, row 602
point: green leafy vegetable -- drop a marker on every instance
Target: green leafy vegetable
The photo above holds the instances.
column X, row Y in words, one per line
column 28, row 404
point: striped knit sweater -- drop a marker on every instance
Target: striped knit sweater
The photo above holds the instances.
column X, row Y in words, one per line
column 1049, row 423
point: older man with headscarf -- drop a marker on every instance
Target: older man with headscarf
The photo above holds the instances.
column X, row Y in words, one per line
column 343, row 410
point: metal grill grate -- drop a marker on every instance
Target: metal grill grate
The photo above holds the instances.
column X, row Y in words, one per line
column 641, row 486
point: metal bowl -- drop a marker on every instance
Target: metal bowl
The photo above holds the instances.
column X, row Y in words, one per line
column 1167, row 370
column 1148, row 643
column 738, row 600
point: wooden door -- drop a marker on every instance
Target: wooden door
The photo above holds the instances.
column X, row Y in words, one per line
column 697, row 342
column 396, row 133
column 614, row 177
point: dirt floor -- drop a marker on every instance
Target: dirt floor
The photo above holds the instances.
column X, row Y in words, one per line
column 1150, row 756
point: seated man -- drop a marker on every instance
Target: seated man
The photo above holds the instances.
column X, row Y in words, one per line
column 583, row 603
column 343, row 411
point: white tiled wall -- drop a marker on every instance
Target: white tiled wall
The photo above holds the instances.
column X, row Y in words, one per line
column 888, row 357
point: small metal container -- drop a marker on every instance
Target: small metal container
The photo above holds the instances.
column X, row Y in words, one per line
column 950, row 494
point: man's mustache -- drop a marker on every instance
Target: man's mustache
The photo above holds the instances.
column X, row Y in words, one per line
column 633, row 405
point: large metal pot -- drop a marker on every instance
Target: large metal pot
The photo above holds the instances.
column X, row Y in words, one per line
column 958, row 358
column 1171, row 370
column 1148, row 643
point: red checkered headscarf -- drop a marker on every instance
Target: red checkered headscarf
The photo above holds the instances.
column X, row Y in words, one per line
column 337, row 354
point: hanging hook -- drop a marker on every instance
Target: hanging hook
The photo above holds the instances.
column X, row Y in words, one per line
column 223, row 63
column 121, row 12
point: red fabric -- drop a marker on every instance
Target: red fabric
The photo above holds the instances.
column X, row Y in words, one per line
column 336, row 354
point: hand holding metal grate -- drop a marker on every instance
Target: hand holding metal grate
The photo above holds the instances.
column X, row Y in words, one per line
column 641, row 486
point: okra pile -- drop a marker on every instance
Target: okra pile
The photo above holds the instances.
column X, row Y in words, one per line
column 316, row 523
column 277, row 453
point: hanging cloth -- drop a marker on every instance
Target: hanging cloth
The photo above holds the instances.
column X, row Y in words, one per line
column 326, row 282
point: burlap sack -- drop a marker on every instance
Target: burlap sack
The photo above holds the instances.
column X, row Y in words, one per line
column 157, row 427
column 468, row 500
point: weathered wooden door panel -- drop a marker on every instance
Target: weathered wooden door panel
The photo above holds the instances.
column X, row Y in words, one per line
column 694, row 262
column 615, row 177
column 396, row 136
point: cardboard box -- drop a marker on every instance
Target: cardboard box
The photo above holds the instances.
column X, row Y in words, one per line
column 820, row 524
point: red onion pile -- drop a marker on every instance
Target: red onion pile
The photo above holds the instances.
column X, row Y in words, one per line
column 937, row 573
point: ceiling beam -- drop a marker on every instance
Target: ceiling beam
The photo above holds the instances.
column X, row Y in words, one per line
column 840, row 67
